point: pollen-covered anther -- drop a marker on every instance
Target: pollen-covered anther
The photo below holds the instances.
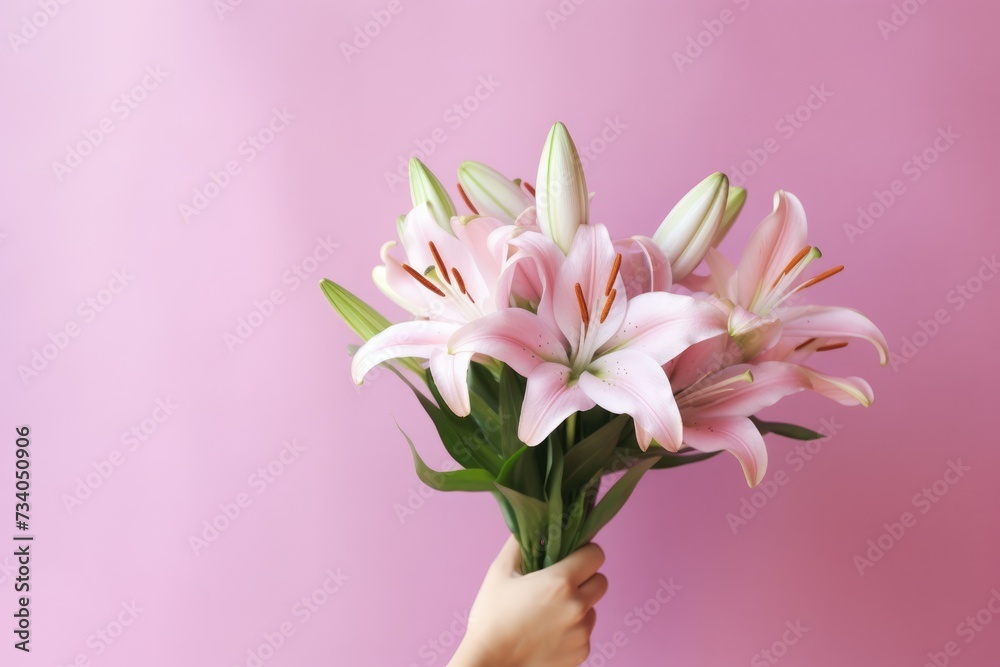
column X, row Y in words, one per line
column 422, row 280
column 607, row 304
column 442, row 269
column 614, row 274
column 821, row 277
column 791, row 265
column 582, row 303
column 832, row 346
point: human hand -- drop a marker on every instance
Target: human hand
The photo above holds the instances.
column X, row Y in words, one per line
column 541, row 619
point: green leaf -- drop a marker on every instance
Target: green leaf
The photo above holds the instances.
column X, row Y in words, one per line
column 589, row 456
column 532, row 515
column 674, row 460
column 465, row 434
column 787, row 430
column 483, row 382
column 613, row 500
column 475, row 479
column 453, row 436
column 554, row 496
column 363, row 320
column 511, row 398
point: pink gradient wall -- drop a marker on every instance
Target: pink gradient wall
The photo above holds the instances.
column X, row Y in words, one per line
column 270, row 426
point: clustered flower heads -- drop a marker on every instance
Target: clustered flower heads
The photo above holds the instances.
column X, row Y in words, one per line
column 527, row 296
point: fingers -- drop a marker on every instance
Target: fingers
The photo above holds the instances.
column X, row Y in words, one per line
column 592, row 590
column 508, row 561
column 581, row 565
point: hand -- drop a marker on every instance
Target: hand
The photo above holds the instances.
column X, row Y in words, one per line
column 541, row 619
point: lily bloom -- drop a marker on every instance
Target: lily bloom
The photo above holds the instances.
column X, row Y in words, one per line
column 447, row 280
column 755, row 291
column 594, row 346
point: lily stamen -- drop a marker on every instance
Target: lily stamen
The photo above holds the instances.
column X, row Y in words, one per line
column 607, row 304
column 423, row 281
column 442, row 269
column 461, row 284
column 528, row 187
column 465, row 198
column 832, row 346
column 584, row 313
column 805, row 344
column 614, row 274
column 823, row 276
column 791, row 265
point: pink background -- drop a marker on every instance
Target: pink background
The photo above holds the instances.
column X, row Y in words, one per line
column 334, row 505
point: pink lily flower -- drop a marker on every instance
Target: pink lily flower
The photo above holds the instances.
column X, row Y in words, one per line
column 716, row 410
column 754, row 292
column 593, row 345
column 446, row 281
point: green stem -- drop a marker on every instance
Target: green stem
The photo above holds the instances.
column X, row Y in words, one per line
column 571, row 430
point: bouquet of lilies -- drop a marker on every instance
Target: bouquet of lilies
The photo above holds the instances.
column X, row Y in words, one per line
column 549, row 355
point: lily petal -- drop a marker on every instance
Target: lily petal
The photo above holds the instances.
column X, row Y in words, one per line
column 833, row 322
column 419, row 338
column 451, row 375
column 777, row 239
column 514, row 336
column 771, row 381
column 645, row 267
column 662, row 325
column 548, row 401
column 631, row 383
column 846, row 391
column 734, row 434
column 589, row 264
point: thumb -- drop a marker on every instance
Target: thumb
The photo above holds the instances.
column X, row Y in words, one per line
column 508, row 561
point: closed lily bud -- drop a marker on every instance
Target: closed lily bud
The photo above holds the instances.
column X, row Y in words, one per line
column 426, row 188
column 688, row 231
column 734, row 204
column 491, row 193
column 561, row 196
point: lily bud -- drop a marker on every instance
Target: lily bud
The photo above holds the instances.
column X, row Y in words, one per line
column 734, row 204
column 426, row 188
column 491, row 193
column 363, row 320
column 561, row 198
column 687, row 232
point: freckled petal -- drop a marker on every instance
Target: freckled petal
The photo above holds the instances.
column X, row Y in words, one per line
column 662, row 325
column 548, row 401
column 514, row 336
column 631, row 383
